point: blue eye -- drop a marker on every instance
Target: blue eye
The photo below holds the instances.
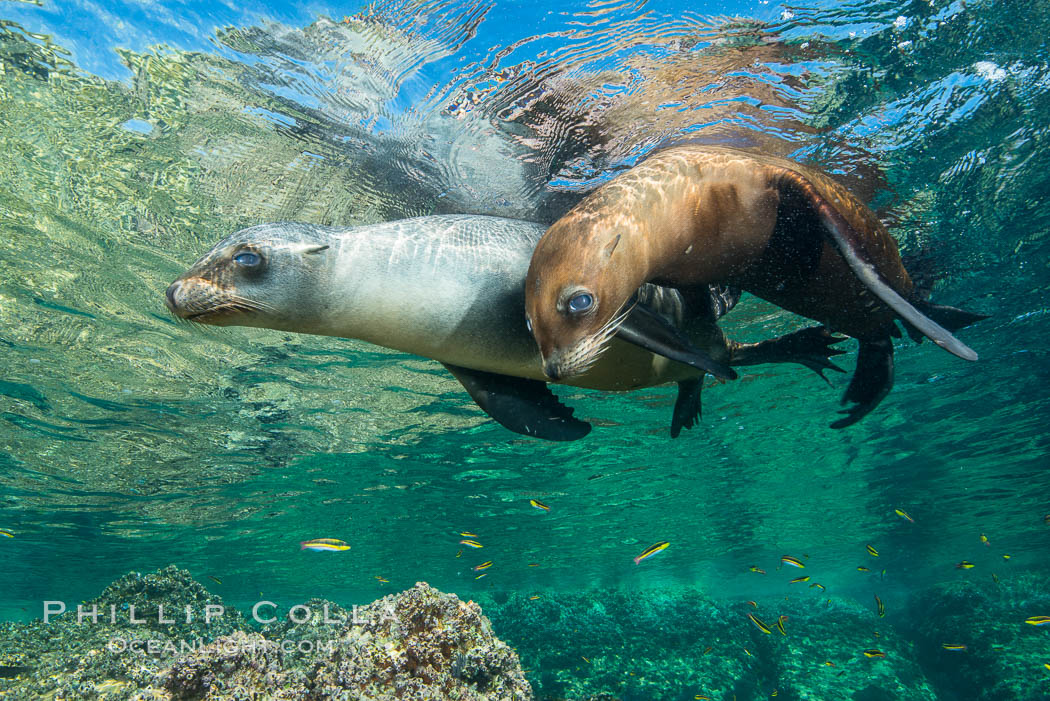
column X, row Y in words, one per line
column 247, row 259
column 581, row 303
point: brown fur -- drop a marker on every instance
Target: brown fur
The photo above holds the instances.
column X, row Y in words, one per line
column 692, row 215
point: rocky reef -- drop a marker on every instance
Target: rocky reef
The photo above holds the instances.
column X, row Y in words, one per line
column 419, row 644
column 161, row 636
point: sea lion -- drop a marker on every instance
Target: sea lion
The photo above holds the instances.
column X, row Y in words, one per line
column 695, row 215
column 451, row 288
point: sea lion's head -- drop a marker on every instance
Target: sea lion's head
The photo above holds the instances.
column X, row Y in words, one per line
column 576, row 292
column 266, row 276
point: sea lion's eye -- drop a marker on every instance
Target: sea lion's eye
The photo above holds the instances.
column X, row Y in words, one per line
column 580, row 303
column 248, row 259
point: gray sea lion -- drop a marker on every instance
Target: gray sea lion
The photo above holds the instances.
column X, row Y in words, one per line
column 451, row 288
column 696, row 215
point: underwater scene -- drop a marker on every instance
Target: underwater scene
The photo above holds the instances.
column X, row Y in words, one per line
column 355, row 351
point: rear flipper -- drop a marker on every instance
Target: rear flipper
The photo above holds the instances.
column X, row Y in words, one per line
column 872, row 380
column 687, row 406
column 810, row 347
column 524, row 406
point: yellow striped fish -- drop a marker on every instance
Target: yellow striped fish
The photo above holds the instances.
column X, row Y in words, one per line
column 871, row 550
column 955, row 647
column 323, row 545
column 1038, row 620
column 471, row 543
column 483, row 566
column 874, row 653
column 799, row 580
column 793, row 561
column 759, row 624
column 881, row 608
column 539, row 505
column 651, row 550
column 780, row 624
column 904, row 515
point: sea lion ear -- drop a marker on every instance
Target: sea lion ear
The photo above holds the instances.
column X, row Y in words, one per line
column 316, row 249
column 611, row 246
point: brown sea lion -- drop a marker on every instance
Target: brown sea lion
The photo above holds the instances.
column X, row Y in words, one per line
column 694, row 215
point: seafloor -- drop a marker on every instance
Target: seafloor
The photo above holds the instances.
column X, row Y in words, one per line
column 603, row 644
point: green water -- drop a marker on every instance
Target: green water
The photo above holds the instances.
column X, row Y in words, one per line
column 128, row 441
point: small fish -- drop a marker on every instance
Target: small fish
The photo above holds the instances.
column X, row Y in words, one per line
column 1006, row 557
column 904, row 515
column 459, row 553
column 881, row 608
column 483, row 566
column 1046, row 519
column 955, row 647
column 871, row 550
column 324, row 544
column 1047, row 665
column 483, row 574
column 214, row 579
column 780, row 624
column 1038, row 620
column 799, row 580
column 534, row 564
column 794, row 562
column 708, row 649
column 471, row 543
column 775, row 692
column 534, row 597
column 862, row 568
column 6, row 533
column 467, row 534
column 984, row 539
column 964, row 565
column 651, row 550
column 759, row 624
column 701, row 697
column 753, row 603
column 874, row 653
column 995, row 577
column 818, row 585
column 748, row 652
column 755, row 568
column 829, row 663
column 383, row 580
column 539, row 505
column 585, row 659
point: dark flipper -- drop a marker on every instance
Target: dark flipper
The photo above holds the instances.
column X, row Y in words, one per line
column 949, row 317
column 523, row 406
column 687, row 406
column 810, row 347
column 872, row 380
column 647, row 329
column 846, row 241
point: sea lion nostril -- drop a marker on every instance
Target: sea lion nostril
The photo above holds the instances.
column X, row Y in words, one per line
column 173, row 289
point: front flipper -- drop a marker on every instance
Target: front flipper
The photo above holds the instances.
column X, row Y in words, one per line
column 872, row 380
column 523, row 406
column 647, row 329
column 687, row 406
column 847, row 242
column 811, row 347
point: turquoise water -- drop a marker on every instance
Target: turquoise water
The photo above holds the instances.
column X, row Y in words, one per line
column 134, row 137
